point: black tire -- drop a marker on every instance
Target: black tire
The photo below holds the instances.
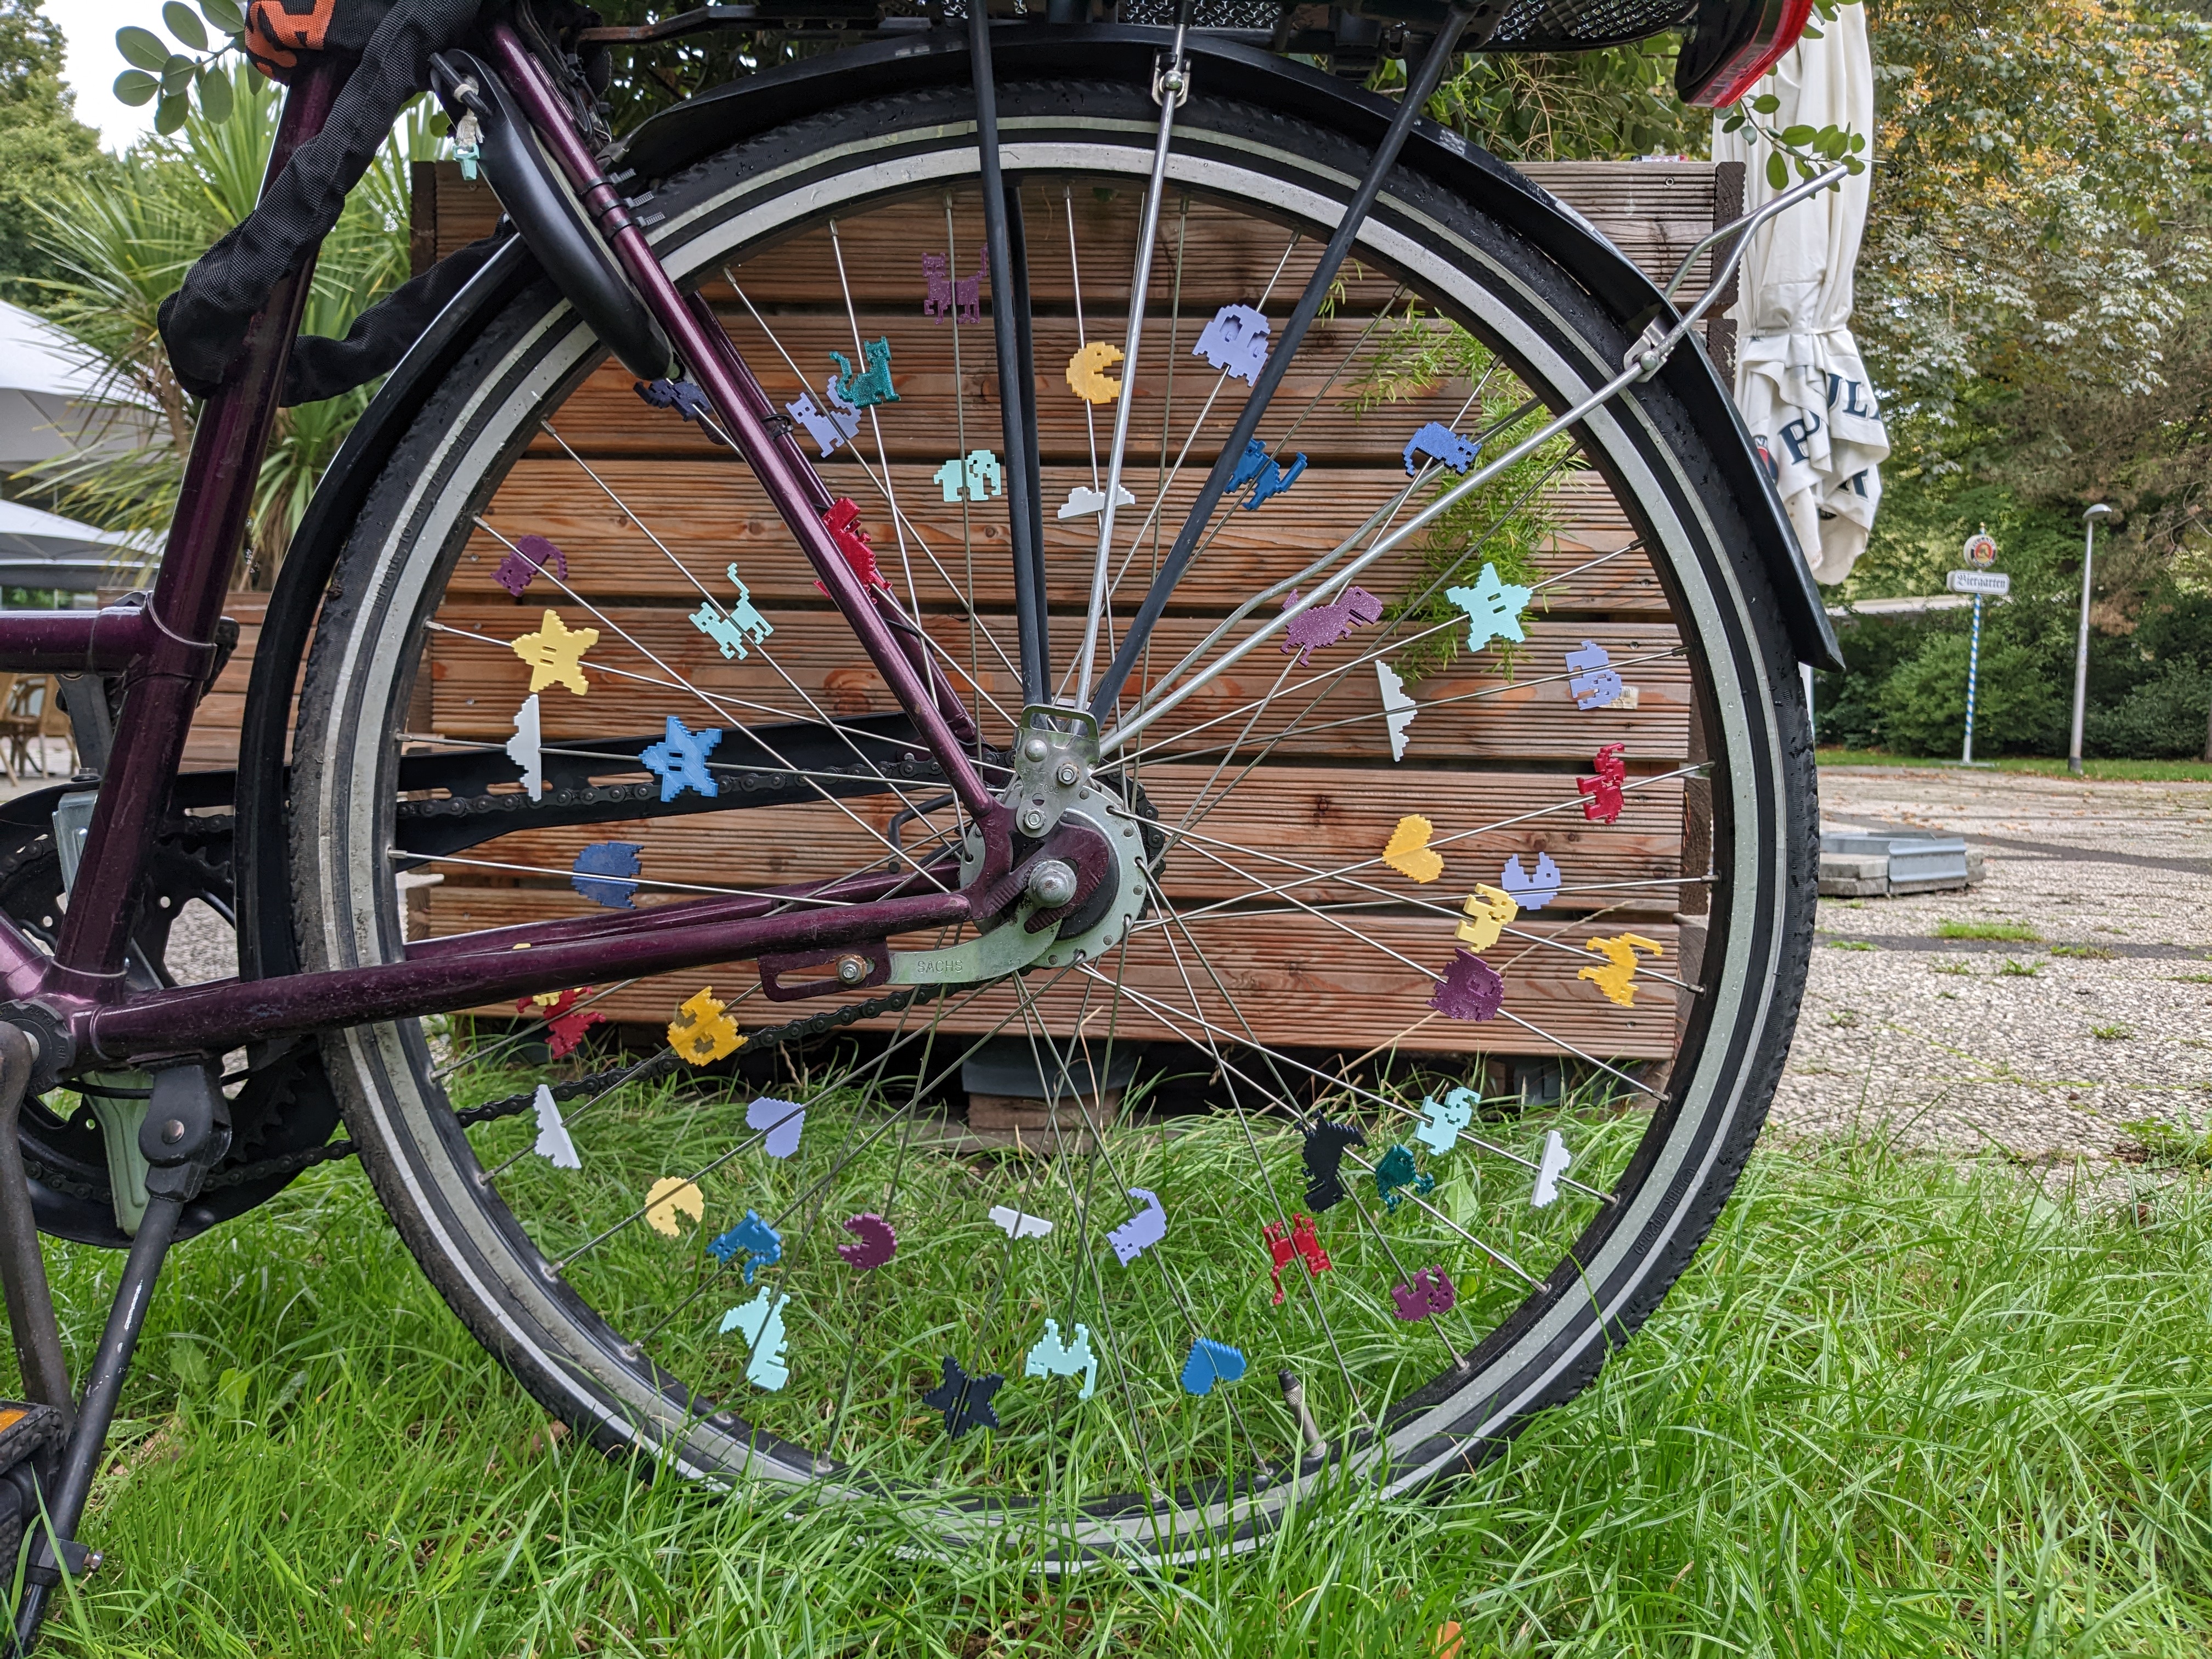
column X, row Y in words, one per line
column 1535, row 316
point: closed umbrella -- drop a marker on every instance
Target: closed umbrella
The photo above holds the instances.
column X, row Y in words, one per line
column 1799, row 380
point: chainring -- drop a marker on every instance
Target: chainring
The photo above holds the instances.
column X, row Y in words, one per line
column 284, row 1103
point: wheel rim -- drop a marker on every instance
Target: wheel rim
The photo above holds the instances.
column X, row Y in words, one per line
column 1431, row 1426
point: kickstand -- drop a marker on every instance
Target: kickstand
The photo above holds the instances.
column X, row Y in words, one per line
column 186, row 1133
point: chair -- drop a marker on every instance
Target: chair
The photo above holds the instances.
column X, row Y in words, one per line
column 31, row 716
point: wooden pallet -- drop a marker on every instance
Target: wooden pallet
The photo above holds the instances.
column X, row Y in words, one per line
column 1494, row 741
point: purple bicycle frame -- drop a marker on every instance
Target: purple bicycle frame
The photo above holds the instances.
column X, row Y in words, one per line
column 166, row 647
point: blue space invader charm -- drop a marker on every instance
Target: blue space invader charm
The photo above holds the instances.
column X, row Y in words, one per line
column 1532, row 891
column 1051, row 1358
column 759, row 1243
column 741, row 626
column 685, row 398
column 1441, row 1123
column 1594, row 684
column 1210, row 1362
column 681, row 759
column 1494, row 608
column 1235, row 342
column 598, row 864
column 1441, row 444
column 831, row 430
column 867, row 388
column 1395, row 1176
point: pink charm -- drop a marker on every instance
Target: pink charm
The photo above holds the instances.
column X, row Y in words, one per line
column 877, row 1241
column 961, row 299
column 1470, row 989
column 843, row 522
column 531, row 554
column 1325, row 624
column 1431, row 1292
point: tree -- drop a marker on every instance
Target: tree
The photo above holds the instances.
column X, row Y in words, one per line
column 44, row 148
column 121, row 246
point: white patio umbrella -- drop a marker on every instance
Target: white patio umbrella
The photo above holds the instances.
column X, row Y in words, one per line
column 47, row 395
column 44, row 549
column 1799, row 380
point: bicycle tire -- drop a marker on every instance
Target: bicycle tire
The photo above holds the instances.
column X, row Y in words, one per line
column 404, row 547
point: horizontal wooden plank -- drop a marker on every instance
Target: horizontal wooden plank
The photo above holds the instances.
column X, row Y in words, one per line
column 1470, row 712
column 713, row 513
column 1297, row 980
column 1270, row 829
column 939, row 400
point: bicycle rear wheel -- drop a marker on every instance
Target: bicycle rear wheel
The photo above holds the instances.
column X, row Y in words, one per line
column 1452, row 1255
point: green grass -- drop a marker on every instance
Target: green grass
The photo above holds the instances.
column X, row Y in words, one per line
column 2011, row 970
column 2139, row 771
column 2112, row 1033
column 1894, row 1408
column 2085, row 952
column 2017, row 932
column 1852, row 945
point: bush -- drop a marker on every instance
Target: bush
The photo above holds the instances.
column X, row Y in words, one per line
column 2162, row 719
column 2018, row 704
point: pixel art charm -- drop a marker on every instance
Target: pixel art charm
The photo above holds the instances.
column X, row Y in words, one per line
column 526, row 750
column 964, row 1399
column 1603, row 793
column 781, row 1120
column 1494, row 608
column 595, row 874
column 1395, row 1175
column 1617, row 979
column 832, row 430
column 759, row 1243
column 1267, row 475
column 565, row 1023
column 959, row 298
column 1489, row 913
column 556, row 654
column 1469, row 989
column 1408, row 852
column 1300, row 1243
column 1086, row 372
column 877, row 1243
column 1083, row 501
column 1235, row 342
column 1442, row 445
column 553, row 1144
column 976, row 476
column 1398, row 707
column 1532, row 891
column 1554, row 1164
column 1431, row 1292
column 670, row 1197
column 1442, row 1121
column 735, row 628
column 704, row 1033
column 1324, row 1161
column 1209, row 1363
column 1323, row 625
column 1049, row 1358
column 1593, row 684
column 869, row 387
column 529, row 555
column 1141, row 1230
column 760, row 1321
column 680, row 759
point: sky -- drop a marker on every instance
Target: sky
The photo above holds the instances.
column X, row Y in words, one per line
column 93, row 63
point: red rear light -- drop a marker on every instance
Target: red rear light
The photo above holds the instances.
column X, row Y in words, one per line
column 1780, row 24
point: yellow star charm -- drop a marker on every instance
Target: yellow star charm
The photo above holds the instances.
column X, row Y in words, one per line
column 556, row 653
column 706, row 1033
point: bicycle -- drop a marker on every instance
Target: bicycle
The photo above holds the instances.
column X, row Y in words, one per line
column 996, row 824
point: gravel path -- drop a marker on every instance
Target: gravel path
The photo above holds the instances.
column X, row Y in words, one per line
column 2042, row 1053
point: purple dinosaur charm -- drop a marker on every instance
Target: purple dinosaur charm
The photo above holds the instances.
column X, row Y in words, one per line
column 1325, row 624
column 532, row 554
column 1470, row 988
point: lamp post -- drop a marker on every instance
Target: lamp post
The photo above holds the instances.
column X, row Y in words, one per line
column 2081, row 639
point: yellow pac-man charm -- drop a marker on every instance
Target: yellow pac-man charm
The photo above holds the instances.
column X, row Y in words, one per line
column 671, row 1196
column 1086, row 372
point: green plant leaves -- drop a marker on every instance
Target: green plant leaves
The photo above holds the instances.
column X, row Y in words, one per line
column 177, row 74
column 225, row 16
column 136, row 87
column 215, row 102
column 185, row 23
column 141, row 47
column 1796, row 137
column 169, row 114
column 1778, row 171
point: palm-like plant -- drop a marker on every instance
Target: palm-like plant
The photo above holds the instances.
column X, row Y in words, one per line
column 125, row 246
